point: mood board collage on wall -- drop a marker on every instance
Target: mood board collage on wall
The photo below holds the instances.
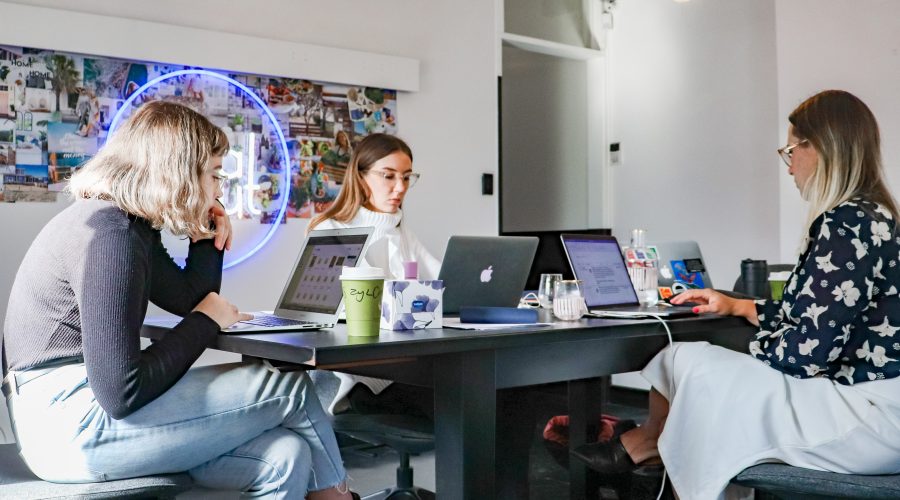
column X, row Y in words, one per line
column 56, row 110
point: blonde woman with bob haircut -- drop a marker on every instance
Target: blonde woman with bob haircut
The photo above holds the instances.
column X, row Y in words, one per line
column 820, row 387
column 377, row 180
column 87, row 403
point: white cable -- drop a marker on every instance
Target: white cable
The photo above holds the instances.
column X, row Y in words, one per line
column 664, row 324
column 663, row 487
column 671, row 342
column 669, row 334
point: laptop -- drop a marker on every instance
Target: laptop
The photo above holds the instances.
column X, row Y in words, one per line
column 597, row 261
column 485, row 271
column 312, row 297
column 681, row 267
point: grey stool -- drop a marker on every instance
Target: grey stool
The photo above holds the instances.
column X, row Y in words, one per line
column 794, row 483
column 16, row 481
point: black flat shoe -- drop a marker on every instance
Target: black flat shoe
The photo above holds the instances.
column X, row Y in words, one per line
column 623, row 426
column 606, row 458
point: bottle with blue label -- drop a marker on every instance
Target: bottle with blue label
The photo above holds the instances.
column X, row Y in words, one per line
column 643, row 268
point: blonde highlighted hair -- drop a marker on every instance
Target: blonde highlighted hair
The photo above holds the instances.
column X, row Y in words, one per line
column 844, row 133
column 153, row 165
column 355, row 192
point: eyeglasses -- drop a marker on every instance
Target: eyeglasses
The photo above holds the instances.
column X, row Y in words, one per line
column 787, row 153
column 409, row 179
column 221, row 179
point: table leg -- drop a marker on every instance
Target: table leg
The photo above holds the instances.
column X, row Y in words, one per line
column 465, row 410
column 516, row 419
column 585, row 405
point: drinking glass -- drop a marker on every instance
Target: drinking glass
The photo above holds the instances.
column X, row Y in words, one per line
column 547, row 288
column 568, row 301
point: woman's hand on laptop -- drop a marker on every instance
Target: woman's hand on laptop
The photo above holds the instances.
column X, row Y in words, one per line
column 714, row 302
column 221, row 311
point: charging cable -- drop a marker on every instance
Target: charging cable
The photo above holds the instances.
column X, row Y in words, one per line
column 609, row 314
column 665, row 325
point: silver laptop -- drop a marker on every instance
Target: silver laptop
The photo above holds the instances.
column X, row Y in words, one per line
column 681, row 266
column 485, row 270
column 597, row 261
column 312, row 297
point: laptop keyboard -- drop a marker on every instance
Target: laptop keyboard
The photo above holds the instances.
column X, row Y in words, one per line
column 276, row 321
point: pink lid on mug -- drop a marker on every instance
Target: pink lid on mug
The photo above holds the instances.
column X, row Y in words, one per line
column 411, row 270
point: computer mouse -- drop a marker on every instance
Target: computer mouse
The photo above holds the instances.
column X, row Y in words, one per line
column 668, row 300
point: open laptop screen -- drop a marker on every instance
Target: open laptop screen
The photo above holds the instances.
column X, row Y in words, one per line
column 314, row 286
column 597, row 262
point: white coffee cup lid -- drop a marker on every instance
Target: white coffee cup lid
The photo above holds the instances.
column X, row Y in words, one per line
column 779, row 276
column 362, row 273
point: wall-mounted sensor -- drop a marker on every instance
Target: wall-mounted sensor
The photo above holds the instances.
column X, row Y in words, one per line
column 487, row 184
column 615, row 155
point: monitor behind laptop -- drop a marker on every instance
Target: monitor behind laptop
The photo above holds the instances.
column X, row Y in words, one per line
column 550, row 256
column 485, row 270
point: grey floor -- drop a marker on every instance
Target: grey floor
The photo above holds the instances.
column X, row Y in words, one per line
column 368, row 474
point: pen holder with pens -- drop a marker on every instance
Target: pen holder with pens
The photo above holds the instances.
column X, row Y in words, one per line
column 412, row 304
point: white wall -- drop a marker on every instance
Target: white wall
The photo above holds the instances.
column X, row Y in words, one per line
column 694, row 105
column 852, row 45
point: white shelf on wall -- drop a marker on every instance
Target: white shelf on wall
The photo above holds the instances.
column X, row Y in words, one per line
column 549, row 48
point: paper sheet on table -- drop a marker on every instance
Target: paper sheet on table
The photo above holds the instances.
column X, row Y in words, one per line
column 455, row 323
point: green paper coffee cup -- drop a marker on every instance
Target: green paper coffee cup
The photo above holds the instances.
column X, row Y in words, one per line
column 777, row 281
column 362, row 287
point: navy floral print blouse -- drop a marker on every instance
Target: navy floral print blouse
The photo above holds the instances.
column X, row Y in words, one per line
column 840, row 314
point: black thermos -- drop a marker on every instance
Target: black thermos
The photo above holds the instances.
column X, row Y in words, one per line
column 755, row 275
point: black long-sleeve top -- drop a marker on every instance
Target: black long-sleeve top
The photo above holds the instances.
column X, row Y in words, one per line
column 83, row 289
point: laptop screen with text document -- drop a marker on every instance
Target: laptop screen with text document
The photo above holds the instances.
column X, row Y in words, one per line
column 598, row 263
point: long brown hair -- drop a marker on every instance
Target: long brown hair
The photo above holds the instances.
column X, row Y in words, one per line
column 355, row 191
column 844, row 133
column 153, row 165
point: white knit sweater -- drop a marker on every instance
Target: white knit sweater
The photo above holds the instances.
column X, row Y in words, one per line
column 391, row 243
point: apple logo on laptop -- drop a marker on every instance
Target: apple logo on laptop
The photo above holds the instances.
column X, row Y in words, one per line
column 486, row 274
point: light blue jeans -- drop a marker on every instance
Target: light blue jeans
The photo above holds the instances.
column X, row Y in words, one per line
column 236, row 427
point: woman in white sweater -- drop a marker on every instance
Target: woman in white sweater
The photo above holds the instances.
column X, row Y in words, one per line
column 377, row 179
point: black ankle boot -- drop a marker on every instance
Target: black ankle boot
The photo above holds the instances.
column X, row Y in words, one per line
column 606, row 458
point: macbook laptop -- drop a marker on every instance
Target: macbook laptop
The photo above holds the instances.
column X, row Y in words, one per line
column 485, row 270
column 312, row 296
column 597, row 261
column 681, row 266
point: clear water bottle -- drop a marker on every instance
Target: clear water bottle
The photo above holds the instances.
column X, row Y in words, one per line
column 643, row 268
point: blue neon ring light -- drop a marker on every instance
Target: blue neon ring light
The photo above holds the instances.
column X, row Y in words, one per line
column 284, row 149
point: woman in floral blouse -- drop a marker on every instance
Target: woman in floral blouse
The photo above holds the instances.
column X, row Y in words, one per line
column 820, row 388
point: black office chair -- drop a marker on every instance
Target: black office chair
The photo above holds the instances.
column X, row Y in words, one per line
column 407, row 434
column 16, row 481
column 785, row 482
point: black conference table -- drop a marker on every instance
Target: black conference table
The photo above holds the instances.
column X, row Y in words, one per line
column 467, row 369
